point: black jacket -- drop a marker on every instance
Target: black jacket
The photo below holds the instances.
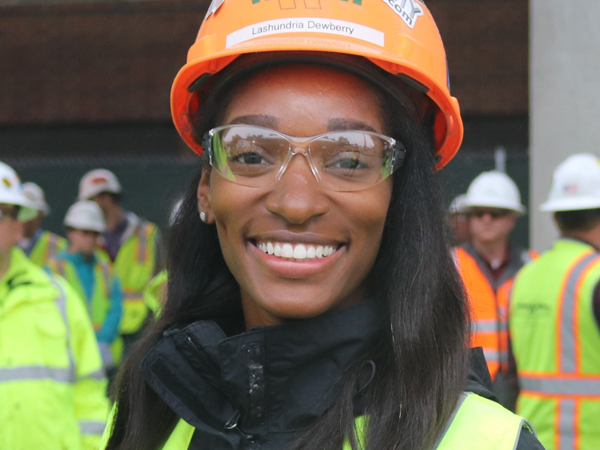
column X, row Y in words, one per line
column 260, row 389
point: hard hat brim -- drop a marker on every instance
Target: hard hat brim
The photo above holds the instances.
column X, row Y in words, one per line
column 571, row 204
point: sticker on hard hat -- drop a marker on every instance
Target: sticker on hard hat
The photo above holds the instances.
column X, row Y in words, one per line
column 408, row 10
column 6, row 182
column 99, row 180
column 214, row 5
column 306, row 25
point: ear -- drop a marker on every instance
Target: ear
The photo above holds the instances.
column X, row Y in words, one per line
column 204, row 198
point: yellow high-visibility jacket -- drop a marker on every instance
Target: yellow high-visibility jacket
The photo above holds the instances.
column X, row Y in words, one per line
column 45, row 247
column 52, row 386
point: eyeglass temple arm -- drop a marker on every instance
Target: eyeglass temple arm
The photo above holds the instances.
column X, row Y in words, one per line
column 398, row 156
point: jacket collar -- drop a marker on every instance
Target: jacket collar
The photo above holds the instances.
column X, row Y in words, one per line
column 263, row 382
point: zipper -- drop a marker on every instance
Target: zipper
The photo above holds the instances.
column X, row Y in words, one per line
column 203, row 357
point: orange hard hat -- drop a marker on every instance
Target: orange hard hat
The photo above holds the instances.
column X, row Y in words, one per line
column 399, row 36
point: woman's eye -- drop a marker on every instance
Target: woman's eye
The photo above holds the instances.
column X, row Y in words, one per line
column 347, row 163
column 249, row 158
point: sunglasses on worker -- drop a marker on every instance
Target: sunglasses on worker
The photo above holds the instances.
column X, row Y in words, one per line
column 348, row 160
column 9, row 211
column 493, row 213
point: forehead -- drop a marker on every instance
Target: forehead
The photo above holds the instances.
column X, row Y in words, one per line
column 303, row 97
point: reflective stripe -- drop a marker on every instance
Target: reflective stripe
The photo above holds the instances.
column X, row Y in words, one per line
column 91, row 427
column 568, row 341
column 495, row 356
column 143, row 238
column 106, row 277
column 461, row 400
column 133, row 296
column 566, row 424
column 561, row 385
column 488, row 326
column 61, row 304
column 25, row 373
column 98, row 375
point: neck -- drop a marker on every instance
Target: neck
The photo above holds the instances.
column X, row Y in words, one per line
column 493, row 251
column 4, row 262
column 592, row 237
column 113, row 216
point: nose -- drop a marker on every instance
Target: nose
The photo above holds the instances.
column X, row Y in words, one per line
column 297, row 196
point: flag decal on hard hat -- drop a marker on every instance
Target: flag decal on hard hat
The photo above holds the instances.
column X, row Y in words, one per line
column 570, row 189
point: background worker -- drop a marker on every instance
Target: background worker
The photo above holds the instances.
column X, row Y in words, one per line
column 38, row 244
column 52, row 386
column 458, row 213
column 488, row 263
column 92, row 277
column 132, row 244
column 555, row 316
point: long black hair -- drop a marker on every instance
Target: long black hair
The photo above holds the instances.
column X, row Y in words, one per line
column 420, row 367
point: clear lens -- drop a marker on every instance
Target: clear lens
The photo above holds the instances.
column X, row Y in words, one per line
column 340, row 160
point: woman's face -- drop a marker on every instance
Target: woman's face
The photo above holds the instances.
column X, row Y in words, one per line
column 299, row 101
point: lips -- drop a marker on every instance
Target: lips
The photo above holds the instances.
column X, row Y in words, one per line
column 296, row 251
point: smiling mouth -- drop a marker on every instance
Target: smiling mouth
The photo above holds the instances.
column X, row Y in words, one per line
column 296, row 252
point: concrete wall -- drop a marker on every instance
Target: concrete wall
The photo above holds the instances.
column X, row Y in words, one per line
column 565, row 95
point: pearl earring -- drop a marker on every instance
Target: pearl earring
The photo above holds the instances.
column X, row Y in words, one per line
column 203, row 217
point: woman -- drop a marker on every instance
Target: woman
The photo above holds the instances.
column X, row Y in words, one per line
column 312, row 302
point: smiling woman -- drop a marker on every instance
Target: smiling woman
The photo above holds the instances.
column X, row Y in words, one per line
column 312, row 301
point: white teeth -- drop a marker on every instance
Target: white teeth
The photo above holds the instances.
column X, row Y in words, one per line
column 287, row 251
column 298, row 252
column 319, row 251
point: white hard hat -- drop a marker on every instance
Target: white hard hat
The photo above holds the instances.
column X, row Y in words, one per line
column 85, row 215
column 575, row 184
column 97, row 181
column 460, row 205
column 35, row 194
column 494, row 189
column 11, row 193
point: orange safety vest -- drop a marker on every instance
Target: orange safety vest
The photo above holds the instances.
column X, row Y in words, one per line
column 488, row 300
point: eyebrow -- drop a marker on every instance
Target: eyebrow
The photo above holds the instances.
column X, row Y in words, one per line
column 259, row 120
column 346, row 124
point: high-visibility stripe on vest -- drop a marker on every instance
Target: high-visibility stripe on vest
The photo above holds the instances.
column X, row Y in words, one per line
column 476, row 424
column 47, row 246
column 556, row 343
column 488, row 308
column 99, row 304
column 134, row 266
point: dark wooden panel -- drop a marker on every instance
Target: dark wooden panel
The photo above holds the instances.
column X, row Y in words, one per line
column 115, row 62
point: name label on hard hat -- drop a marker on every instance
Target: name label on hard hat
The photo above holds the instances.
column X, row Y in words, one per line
column 306, row 25
column 408, row 10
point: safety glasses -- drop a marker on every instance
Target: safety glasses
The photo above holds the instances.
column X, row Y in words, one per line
column 6, row 212
column 493, row 213
column 348, row 160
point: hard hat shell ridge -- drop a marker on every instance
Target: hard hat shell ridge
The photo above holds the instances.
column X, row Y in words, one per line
column 400, row 37
column 11, row 193
column 85, row 215
column 575, row 184
column 96, row 182
column 36, row 195
column 495, row 189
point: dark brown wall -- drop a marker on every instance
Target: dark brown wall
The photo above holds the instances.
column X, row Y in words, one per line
column 115, row 62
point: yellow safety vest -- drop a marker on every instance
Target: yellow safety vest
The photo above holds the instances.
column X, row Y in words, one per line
column 556, row 343
column 46, row 247
column 156, row 293
column 52, row 386
column 100, row 304
column 134, row 265
column 477, row 424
